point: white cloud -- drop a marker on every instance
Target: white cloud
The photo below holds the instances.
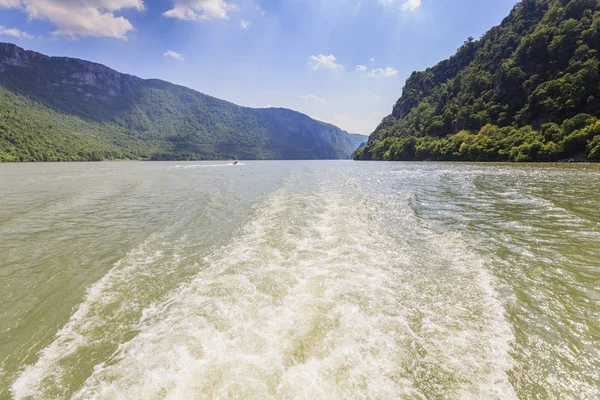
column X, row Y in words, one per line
column 268, row 105
column 244, row 24
column 174, row 54
column 260, row 10
column 10, row 3
column 361, row 68
column 383, row 72
column 76, row 18
column 14, row 33
column 324, row 62
column 411, row 5
column 372, row 59
column 407, row 5
column 312, row 97
column 200, row 10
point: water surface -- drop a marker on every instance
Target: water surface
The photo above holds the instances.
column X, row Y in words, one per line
column 299, row 280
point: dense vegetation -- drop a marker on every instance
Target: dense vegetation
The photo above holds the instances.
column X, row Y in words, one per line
column 61, row 109
column 528, row 90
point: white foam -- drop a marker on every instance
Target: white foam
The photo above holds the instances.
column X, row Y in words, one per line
column 94, row 323
column 318, row 300
column 192, row 166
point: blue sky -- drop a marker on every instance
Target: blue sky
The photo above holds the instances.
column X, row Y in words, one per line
column 341, row 61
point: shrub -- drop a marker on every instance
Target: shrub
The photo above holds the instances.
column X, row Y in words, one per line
column 552, row 132
column 575, row 142
column 578, row 122
column 550, row 152
column 593, row 148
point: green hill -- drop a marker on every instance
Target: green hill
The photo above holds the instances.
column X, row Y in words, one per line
column 63, row 109
column 528, row 90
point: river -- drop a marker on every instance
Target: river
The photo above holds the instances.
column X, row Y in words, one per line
column 299, row 280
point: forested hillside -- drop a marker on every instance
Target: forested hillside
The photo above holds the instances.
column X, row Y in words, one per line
column 63, row 109
column 528, row 90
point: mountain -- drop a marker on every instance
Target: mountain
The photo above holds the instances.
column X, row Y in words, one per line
column 357, row 140
column 64, row 109
column 528, row 90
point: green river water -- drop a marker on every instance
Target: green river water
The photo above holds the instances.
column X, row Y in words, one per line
column 299, row 280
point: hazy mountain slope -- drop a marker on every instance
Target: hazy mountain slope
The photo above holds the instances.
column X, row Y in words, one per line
column 358, row 140
column 528, row 90
column 54, row 108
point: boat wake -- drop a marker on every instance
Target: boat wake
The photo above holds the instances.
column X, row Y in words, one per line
column 316, row 298
column 193, row 166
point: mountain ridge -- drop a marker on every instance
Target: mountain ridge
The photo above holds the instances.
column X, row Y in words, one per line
column 528, row 90
column 67, row 109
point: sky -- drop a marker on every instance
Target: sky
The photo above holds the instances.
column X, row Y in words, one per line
column 339, row 61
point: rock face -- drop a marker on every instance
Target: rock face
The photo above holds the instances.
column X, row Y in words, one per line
column 66, row 72
column 299, row 129
column 179, row 122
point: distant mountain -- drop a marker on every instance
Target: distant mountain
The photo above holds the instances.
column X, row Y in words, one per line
column 65, row 109
column 357, row 140
column 528, row 90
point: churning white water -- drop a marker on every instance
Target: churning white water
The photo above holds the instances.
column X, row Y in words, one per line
column 331, row 285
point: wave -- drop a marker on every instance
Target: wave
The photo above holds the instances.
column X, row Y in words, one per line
column 192, row 166
column 107, row 315
column 317, row 299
